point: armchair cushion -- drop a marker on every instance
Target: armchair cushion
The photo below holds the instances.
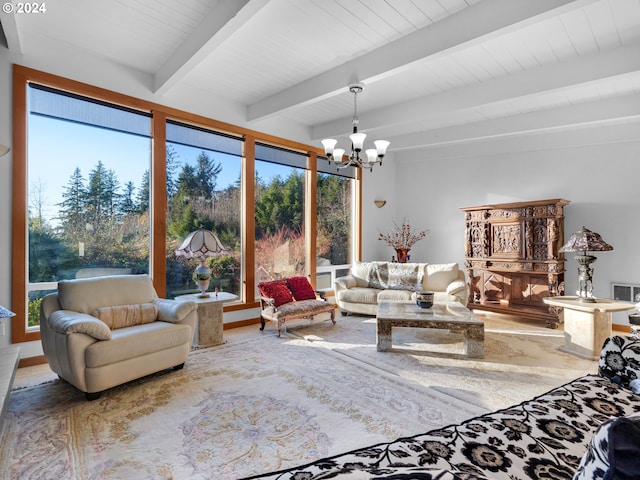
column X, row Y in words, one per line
column 68, row 322
column 301, row 288
column 277, row 290
column 121, row 316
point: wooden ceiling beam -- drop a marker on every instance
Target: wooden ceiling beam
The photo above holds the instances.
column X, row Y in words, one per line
column 479, row 22
column 547, row 78
column 225, row 19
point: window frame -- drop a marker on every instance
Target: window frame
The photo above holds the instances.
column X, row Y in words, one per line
column 22, row 76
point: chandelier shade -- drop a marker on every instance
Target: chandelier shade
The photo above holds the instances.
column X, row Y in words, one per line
column 355, row 159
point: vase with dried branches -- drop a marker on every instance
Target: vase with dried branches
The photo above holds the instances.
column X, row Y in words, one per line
column 402, row 237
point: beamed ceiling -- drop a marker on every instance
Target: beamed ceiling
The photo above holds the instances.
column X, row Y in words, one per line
column 436, row 72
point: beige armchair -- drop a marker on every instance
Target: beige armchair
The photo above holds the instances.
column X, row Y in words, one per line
column 101, row 332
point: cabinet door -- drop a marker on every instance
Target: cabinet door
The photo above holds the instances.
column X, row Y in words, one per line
column 529, row 290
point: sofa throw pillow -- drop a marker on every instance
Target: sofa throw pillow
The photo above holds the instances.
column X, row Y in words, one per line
column 276, row 289
column 614, row 451
column 439, row 276
column 620, row 360
column 301, row 288
column 122, row 316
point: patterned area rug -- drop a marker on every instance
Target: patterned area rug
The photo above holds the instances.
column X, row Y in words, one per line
column 254, row 405
column 522, row 359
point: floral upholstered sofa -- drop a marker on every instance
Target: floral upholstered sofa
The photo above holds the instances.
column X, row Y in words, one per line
column 371, row 282
column 587, row 429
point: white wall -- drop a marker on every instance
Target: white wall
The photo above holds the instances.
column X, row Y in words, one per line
column 597, row 169
column 378, row 185
column 5, row 193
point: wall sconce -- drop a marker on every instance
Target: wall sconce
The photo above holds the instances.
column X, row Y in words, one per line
column 3, row 150
column 380, row 203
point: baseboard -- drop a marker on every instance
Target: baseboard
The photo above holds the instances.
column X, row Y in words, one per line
column 241, row 323
column 620, row 328
column 32, row 361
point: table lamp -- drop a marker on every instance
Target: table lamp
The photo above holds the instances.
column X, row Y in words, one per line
column 202, row 244
column 584, row 240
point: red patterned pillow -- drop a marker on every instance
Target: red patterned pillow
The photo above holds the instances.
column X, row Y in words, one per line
column 278, row 290
column 301, row 288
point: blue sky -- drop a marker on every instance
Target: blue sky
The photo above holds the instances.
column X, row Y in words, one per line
column 57, row 147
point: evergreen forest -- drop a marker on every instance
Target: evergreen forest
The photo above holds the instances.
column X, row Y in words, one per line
column 104, row 224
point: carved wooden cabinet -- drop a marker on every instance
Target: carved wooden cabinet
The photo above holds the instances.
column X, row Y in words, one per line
column 512, row 258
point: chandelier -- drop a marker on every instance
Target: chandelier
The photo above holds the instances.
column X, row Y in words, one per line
column 373, row 155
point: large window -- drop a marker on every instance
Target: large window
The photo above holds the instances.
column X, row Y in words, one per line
column 203, row 190
column 279, row 213
column 334, row 223
column 88, row 191
column 107, row 184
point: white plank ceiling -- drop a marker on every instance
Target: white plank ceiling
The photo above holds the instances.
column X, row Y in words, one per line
column 435, row 71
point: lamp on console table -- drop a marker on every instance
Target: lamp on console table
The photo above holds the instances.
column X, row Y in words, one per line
column 584, row 240
column 202, row 244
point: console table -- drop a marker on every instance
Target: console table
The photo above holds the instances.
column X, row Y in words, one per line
column 512, row 259
column 210, row 325
column 587, row 325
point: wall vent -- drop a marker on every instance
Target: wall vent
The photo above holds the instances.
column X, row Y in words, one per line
column 626, row 292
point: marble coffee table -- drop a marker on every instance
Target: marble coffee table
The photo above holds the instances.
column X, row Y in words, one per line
column 450, row 316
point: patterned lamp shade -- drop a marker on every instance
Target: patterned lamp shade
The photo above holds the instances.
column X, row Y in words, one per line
column 201, row 243
column 584, row 240
column 4, row 313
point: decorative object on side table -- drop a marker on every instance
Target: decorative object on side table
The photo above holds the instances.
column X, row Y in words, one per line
column 584, row 240
column 202, row 244
column 402, row 238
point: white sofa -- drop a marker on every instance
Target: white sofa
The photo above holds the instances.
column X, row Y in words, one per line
column 371, row 282
column 101, row 332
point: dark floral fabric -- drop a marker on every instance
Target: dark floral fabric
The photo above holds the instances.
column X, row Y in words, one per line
column 614, row 451
column 542, row 439
column 620, row 359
